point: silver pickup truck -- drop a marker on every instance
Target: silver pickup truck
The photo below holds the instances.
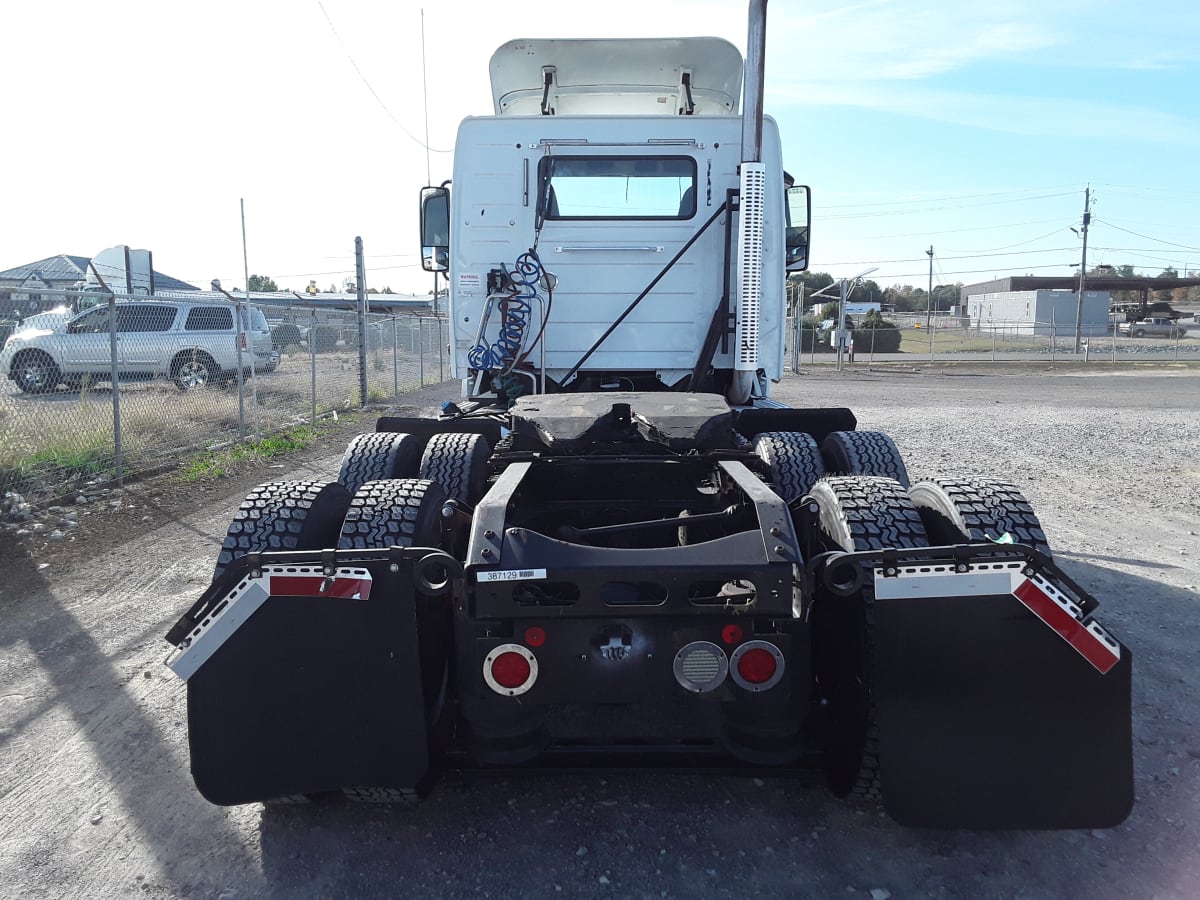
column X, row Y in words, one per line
column 1167, row 328
column 192, row 343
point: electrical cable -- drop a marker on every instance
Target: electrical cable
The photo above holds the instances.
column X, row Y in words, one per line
column 515, row 308
column 378, row 99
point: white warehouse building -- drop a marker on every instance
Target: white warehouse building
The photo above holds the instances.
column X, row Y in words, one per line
column 1040, row 312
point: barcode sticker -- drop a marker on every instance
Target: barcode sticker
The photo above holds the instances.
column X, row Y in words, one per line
column 511, row 575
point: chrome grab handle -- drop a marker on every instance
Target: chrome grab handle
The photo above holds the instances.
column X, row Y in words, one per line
column 565, row 249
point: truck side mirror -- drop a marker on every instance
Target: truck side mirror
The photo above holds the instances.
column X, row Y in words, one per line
column 435, row 229
column 799, row 217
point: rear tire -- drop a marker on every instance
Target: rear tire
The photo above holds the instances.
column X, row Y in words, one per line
column 459, row 463
column 285, row 515
column 792, row 460
column 379, row 456
column 957, row 511
column 856, row 513
column 400, row 512
column 863, row 453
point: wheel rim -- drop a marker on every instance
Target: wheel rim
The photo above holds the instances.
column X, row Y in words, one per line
column 34, row 375
column 192, row 374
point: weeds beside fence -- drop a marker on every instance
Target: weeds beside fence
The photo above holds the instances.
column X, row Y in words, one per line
column 305, row 365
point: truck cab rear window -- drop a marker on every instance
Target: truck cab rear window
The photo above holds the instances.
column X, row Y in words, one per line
column 617, row 187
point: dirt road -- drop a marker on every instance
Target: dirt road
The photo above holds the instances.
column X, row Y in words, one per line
column 96, row 800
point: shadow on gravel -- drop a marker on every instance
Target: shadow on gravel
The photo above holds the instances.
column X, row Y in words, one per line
column 679, row 834
column 155, row 805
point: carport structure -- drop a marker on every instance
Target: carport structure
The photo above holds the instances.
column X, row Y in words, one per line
column 1094, row 282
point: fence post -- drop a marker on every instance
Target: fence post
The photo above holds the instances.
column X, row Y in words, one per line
column 241, row 375
column 421, row 341
column 993, row 343
column 441, row 352
column 116, row 389
column 797, row 341
column 312, row 352
column 395, row 359
column 360, row 275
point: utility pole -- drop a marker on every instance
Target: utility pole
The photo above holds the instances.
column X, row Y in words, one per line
column 929, row 302
column 1087, row 218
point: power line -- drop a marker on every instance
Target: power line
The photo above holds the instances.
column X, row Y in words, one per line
column 1148, row 237
column 950, row 197
column 378, row 99
column 887, row 237
column 930, row 209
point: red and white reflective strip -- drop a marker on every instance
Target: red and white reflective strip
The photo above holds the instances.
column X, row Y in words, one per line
column 231, row 611
column 1035, row 592
column 341, row 584
column 1050, row 605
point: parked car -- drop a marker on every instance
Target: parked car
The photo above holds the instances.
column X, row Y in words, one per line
column 51, row 320
column 192, row 343
column 1167, row 328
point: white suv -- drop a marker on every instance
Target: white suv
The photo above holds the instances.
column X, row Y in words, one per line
column 190, row 342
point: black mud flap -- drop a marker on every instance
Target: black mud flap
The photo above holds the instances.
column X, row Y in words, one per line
column 990, row 718
column 311, row 690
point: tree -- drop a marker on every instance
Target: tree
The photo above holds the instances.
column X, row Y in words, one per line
column 262, row 283
column 1164, row 296
column 905, row 298
column 946, row 296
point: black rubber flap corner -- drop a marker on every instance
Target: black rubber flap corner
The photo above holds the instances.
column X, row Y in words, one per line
column 312, row 694
column 988, row 719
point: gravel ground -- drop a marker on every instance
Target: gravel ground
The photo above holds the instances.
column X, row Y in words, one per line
column 96, row 800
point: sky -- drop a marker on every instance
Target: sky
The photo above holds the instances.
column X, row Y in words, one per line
column 971, row 128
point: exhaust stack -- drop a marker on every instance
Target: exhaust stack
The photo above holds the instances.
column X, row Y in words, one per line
column 750, row 218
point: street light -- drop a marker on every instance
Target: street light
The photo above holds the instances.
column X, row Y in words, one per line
column 843, row 296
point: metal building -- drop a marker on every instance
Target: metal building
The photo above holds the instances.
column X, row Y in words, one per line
column 1044, row 313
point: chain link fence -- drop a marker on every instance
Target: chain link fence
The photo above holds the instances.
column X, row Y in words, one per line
column 950, row 339
column 89, row 395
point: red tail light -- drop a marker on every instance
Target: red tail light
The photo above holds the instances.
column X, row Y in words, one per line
column 510, row 669
column 757, row 665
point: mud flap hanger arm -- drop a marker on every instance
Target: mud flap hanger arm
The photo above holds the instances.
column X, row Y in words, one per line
column 833, row 568
column 327, row 560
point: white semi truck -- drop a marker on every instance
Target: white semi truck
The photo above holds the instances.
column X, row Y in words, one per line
column 615, row 547
column 119, row 270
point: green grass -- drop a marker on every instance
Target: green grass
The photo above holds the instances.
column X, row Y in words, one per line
column 219, row 463
column 52, row 466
